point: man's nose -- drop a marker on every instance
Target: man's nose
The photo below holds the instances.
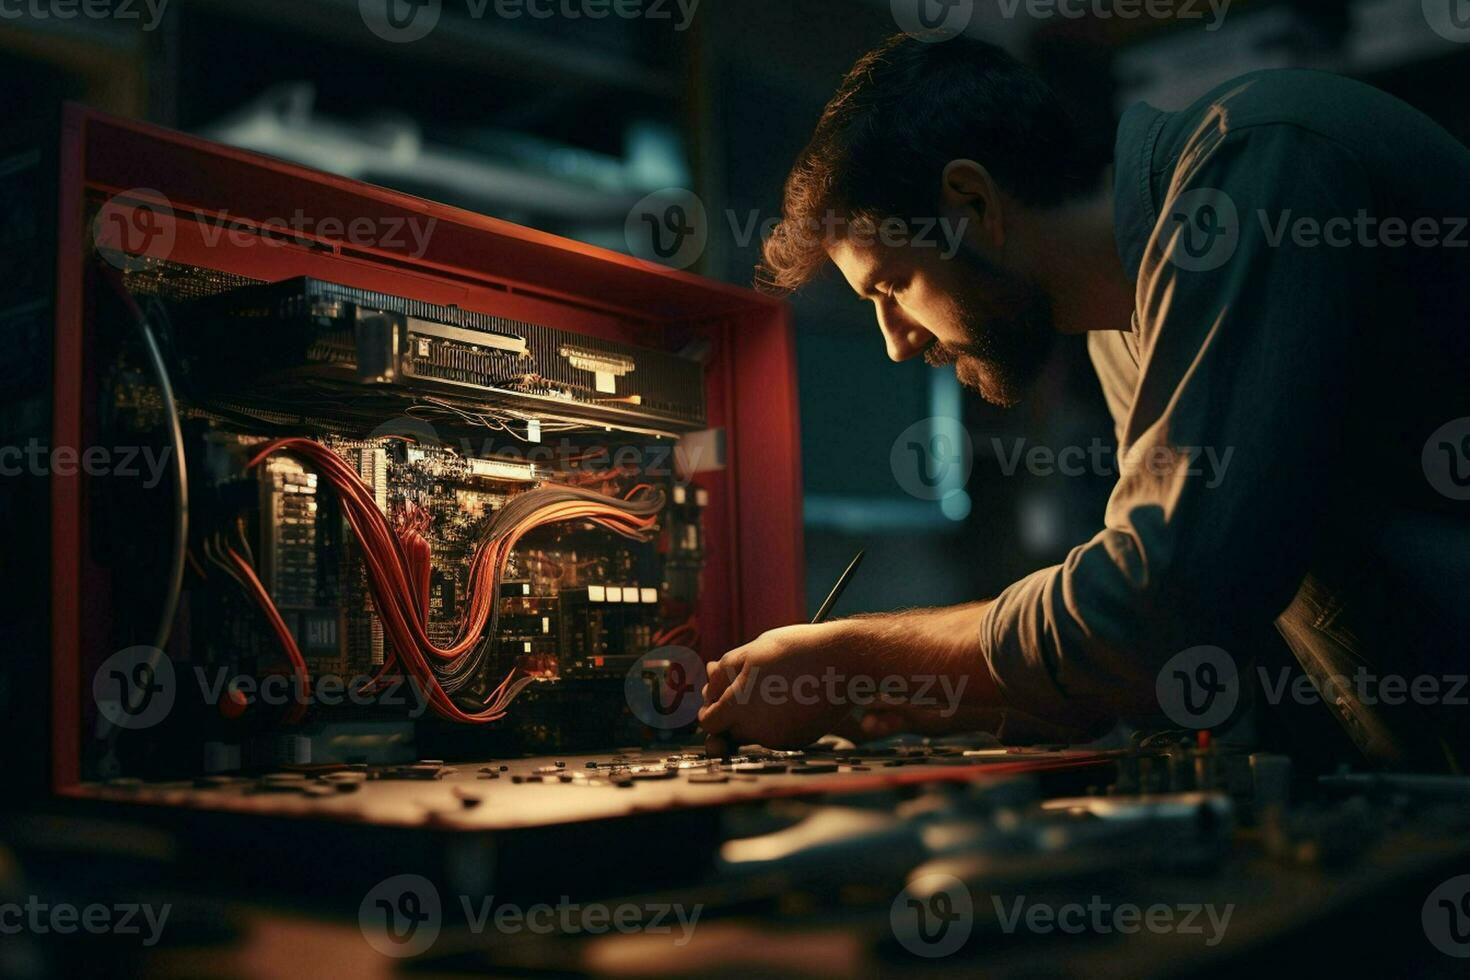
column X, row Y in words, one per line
column 903, row 338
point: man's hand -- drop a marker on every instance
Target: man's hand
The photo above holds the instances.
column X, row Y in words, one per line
column 861, row 677
column 771, row 691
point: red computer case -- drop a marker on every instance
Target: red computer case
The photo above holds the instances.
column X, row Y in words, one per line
column 753, row 580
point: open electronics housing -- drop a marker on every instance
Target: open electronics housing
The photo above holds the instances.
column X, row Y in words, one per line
column 752, row 580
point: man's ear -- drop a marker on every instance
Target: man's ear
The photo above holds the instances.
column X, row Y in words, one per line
column 967, row 187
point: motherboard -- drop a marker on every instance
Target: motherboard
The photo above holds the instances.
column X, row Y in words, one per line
column 444, row 552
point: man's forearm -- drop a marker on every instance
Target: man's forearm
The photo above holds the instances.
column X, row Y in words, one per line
column 923, row 643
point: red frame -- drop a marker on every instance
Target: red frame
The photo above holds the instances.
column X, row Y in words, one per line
column 753, row 524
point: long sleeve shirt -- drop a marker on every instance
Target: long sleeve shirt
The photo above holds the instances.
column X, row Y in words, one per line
column 1301, row 328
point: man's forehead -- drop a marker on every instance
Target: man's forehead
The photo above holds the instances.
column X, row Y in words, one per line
column 860, row 263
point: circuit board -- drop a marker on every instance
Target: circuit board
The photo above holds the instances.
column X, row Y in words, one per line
column 572, row 602
column 507, row 569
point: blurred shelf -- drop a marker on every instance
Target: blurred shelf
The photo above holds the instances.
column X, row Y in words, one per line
column 463, row 44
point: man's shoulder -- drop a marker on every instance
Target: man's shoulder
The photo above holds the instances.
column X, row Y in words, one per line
column 1309, row 103
column 1291, row 96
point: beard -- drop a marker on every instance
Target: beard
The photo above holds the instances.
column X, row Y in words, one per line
column 1007, row 344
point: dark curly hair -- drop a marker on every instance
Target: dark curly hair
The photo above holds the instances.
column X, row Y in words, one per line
column 904, row 111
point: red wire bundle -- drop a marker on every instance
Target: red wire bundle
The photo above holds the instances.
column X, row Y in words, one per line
column 684, row 634
column 398, row 564
column 262, row 598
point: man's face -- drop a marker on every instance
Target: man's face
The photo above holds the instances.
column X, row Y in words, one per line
column 991, row 322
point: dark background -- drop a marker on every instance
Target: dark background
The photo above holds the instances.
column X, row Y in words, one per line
column 564, row 124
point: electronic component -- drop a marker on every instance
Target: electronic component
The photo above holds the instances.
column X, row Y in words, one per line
column 395, row 505
column 445, row 560
column 305, row 330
